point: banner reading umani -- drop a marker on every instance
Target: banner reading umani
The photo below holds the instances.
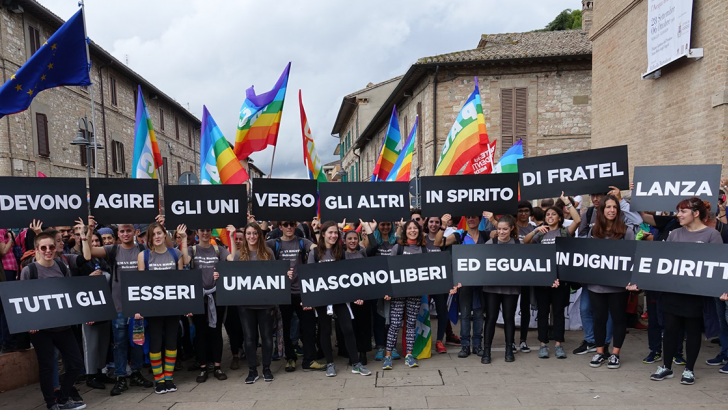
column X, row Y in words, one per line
column 595, row 261
column 205, row 206
column 470, row 194
column 385, row 201
column 47, row 303
column 124, row 200
column 284, row 199
column 162, row 293
column 503, row 265
column 660, row 188
column 54, row 201
column 420, row 274
column 574, row 173
column 253, row 283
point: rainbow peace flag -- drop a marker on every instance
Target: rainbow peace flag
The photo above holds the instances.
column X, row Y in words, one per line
column 422, row 348
column 260, row 118
column 509, row 161
column 310, row 158
column 467, row 137
column 218, row 163
column 147, row 157
column 401, row 168
column 391, row 147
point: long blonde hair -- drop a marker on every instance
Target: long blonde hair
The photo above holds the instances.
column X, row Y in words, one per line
column 263, row 254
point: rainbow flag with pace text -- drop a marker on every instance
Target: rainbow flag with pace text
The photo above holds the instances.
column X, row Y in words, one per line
column 218, row 163
column 401, row 169
column 310, row 158
column 391, row 147
column 260, row 118
column 147, row 157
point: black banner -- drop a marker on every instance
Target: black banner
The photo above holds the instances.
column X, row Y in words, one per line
column 55, row 201
column 661, row 188
column 503, row 265
column 595, row 261
column 381, row 201
column 470, row 194
column 422, row 274
column 124, row 200
column 329, row 283
column 253, row 283
column 162, row 292
column 692, row 268
column 574, row 173
column 205, row 206
column 284, row 199
column 47, row 303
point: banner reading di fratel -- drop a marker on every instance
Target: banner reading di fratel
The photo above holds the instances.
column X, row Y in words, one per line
column 54, row 201
column 205, row 206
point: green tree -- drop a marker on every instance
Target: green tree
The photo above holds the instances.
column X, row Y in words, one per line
column 566, row 20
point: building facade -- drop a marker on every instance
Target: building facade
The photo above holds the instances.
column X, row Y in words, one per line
column 38, row 139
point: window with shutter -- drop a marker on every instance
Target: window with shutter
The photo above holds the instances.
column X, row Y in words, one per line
column 33, row 39
column 179, row 169
column 164, row 171
column 161, row 119
column 41, row 125
column 112, row 89
column 514, row 118
column 506, row 118
column 84, row 156
column 122, row 157
column 114, row 163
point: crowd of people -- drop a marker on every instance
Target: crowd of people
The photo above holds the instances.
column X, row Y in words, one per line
column 115, row 352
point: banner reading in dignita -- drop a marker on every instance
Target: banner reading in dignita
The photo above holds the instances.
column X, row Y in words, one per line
column 124, row 200
column 205, row 206
column 503, row 265
column 162, row 292
column 39, row 304
column 329, row 283
column 470, row 194
column 660, row 188
column 54, row 201
column 679, row 267
column 383, row 201
column 284, row 199
column 574, row 173
column 253, row 283
column 595, row 261
column 420, row 274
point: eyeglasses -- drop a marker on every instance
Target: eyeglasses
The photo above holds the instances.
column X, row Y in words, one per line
column 288, row 224
column 417, row 219
column 45, row 248
column 524, row 211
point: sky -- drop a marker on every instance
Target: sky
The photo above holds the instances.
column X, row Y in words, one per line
column 210, row 51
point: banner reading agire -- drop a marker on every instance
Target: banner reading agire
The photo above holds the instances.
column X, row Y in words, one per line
column 124, row 200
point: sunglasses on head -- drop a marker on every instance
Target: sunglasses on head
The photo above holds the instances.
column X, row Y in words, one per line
column 288, row 224
column 417, row 219
column 45, row 248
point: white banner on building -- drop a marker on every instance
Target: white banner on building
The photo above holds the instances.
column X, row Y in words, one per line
column 668, row 32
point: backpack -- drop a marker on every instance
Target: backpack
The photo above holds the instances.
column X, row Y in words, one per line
column 194, row 252
column 589, row 214
column 33, row 269
column 171, row 251
column 111, row 259
column 400, row 249
column 302, row 252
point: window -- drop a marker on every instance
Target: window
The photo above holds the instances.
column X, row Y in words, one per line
column 176, row 128
column 192, row 170
column 34, row 39
column 514, row 121
column 161, row 119
column 112, row 89
column 84, row 158
column 117, row 157
column 165, row 175
column 41, row 126
column 179, row 169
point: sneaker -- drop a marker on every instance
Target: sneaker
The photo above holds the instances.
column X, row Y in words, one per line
column 613, row 362
column 559, row 352
column 724, row 369
column 360, row 369
column 290, row 365
column 478, row 351
column 276, row 356
column 202, row 377
column 688, row 377
column 719, row 360
column 652, row 357
column 54, row 407
column 453, row 340
column 330, row 370
column 387, row 363
column 252, row 376
column 440, row 347
column 75, row 395
column 679, row 359
column 598, row 360
column 219, row 374
column 395, row 355
column 379, row 356
column 94, row 383
column 119, row 387
column 585, row 347
column 410, row 361
column 543, row 352
column 662, row 373
column 299, row 350
column 235, row 363
column 71, row 405
column 171, row 387
column 313, row 366
column 514, row 348
column 464, row 352
column 161, row 388
column 267, row 374
column 524, row 347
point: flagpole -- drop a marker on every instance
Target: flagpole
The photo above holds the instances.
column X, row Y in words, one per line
column 91, row 89
column 271, row 160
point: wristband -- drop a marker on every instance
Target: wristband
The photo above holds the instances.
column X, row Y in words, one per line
column 84, row 239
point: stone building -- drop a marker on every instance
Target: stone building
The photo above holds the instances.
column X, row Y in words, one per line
column 38, row 139
column 678, row 117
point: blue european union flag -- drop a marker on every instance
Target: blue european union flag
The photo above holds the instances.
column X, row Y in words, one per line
column 62, row 60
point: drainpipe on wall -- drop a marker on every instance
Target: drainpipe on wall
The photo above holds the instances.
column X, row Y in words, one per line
column 103, row 118
column 434, row 120
column 7, row 117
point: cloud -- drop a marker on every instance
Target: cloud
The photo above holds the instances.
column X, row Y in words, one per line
column 210, row 51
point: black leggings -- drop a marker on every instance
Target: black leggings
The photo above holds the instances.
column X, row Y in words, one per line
column 257, row 322
column 45, row 343
column 208, row 338
column 493, row 303
column 672, row 337
column 442, row 315
column 603, row 305
column 324, row 322
column 307, row 327
column 162, row 332
column 362, row 327
column 546, row 297
column 234, row 329
column 525, row 311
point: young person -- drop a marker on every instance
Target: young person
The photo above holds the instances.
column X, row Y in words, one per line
column 525, row 226
column 432, row 226
column 361, row 310
column 107, row 236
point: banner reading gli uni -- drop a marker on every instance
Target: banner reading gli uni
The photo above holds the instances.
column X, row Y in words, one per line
column 205, row 206
column 660, row 188
column 253, row 283
column 503, row 265
column 162, row 292
column 595, row 261
column 284, row 199
column 124, row 200
column 574, row 173
column 383, row 201
column 55, row 201
column 470, row 194
column 47, row 303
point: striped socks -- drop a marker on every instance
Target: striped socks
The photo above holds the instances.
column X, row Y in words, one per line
column 156, row 359
column 170, row 357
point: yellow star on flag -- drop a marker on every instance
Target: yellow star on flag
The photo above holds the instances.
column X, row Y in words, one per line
column 12, row 77
column 18, row 87
column 30, row 93
column 43, row 77
column 53, row 47
column 50, row 66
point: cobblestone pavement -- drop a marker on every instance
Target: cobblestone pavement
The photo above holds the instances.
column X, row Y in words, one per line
column 442, row 382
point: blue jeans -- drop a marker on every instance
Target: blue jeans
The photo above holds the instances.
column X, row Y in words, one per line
column 587, row 319
column 469, row 314
column 120, row 327
column 723, row 321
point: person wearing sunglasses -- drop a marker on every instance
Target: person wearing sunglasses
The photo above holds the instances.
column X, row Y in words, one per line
column 416, row 215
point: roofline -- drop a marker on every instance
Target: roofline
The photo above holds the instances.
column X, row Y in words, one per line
column 338, row 123
column 347, row 105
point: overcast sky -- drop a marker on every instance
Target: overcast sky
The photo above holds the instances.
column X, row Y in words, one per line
column 210, row 51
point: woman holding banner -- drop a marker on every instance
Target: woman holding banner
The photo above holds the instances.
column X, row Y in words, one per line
column 556, row 296
column 432, row 226
column 361, row 310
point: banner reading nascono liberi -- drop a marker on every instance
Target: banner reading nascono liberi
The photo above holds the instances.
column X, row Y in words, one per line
column 420, row 274
column 329, row 283
column 284, row 199
column 54, row 201
column 383, row 201
column 253, row 283
column 205, row 206
column 503, row 265
column 595, row 261
column 162, row 292
column 124, row 200
column 660, row 188
column 470, row 194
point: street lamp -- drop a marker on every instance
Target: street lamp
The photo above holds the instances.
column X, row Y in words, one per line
column 83, row 138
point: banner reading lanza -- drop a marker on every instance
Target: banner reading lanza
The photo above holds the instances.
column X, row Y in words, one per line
column 661, row 188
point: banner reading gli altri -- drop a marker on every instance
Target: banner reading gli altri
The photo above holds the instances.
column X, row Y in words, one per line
column 284, row 199
column 470, row 194
column 660, row 188
column 380, row 201
column 205, row 206
column 124, row 200
column 54, row 201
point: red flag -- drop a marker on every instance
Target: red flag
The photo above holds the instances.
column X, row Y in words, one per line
column 483, row 162
column 463, row 224
column 41, row 175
